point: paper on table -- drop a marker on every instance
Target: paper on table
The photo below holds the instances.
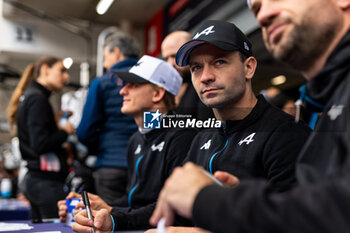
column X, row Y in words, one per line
column 14, row 226
column 47, row 232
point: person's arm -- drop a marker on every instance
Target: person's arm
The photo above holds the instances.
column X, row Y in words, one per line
column 127, row 218
column 250, row 208
column 92, row 115
column 39, row 123
column 280, row 154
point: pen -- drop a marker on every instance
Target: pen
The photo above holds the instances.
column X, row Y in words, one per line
column 216, row 181
column 87, row 205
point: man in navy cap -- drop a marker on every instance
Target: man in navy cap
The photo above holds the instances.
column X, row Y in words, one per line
column 313, row 37
column 257, row 140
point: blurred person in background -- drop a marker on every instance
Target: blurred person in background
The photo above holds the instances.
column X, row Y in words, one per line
column 40, row 138
column 103, row 128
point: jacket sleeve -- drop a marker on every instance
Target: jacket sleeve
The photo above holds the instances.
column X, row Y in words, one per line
column 280, row 154
column 89, row 125
column 252, row 208
column 40, row 119
column 127, row 218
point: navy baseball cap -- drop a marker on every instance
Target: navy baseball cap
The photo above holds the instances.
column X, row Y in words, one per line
column 221, row 34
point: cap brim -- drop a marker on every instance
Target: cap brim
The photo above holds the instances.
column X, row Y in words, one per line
column 130, row 77
column 183, row 53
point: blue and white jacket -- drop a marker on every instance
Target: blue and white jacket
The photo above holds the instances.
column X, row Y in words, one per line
column 103, row 127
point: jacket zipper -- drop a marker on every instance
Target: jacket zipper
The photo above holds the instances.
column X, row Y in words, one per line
column 137, row 174
column 214, row 155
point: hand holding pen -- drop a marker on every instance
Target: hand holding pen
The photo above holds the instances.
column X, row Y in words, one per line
column 98, row 220
column 87, row 206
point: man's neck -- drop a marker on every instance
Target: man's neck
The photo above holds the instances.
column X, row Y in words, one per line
column 236, row 111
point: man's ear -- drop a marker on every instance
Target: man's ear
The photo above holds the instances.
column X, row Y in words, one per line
column 250, row 65
column 117, row 53
column 344, row 4
column 158, row 94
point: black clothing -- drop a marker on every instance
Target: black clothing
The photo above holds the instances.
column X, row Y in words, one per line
column 151, row 159
column 38, row 133
column 41, row 147
column 111, row 182
column 264, row 144
column 321, row 202
column 43, row 194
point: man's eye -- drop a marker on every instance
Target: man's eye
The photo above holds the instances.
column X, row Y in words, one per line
column 220, row 62
column 195, row 68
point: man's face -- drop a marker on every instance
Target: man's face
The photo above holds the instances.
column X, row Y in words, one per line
column 137, row 98
column 109, row 58
column 170, row 46
column 297, row 31
column 217, row 75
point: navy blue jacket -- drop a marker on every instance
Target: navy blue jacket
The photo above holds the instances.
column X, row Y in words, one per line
column 151, row 158
column 264, row 144
column 103, row 128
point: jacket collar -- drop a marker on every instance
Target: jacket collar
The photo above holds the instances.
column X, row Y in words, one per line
column 125, row 63
column 257, row 111
column 323, row 85
column 41, row 88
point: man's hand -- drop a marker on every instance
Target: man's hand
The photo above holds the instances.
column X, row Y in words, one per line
column 96, row 203
column 227, row 179
column 179, row 193
column 101, row 221
column 62, row 207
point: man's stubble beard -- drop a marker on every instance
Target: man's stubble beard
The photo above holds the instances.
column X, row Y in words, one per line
column 305, row 44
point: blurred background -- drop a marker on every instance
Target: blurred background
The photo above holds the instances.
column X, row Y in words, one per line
column 72, row 29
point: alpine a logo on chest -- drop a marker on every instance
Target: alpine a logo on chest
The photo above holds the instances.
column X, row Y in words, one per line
column 159, row 147
column 335, row 111
column 247, row 140
column 138, row 149
column 206, row 145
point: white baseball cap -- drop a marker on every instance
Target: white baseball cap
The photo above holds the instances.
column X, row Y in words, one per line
column 153, row 70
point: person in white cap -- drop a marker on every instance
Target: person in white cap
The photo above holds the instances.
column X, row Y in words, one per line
column 152, row 153
column 313, row 37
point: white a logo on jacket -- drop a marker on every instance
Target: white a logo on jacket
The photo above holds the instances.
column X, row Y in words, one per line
column 206, row 145
column 159, row 147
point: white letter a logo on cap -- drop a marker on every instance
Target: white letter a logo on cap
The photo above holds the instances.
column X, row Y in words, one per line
column 206, row 31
